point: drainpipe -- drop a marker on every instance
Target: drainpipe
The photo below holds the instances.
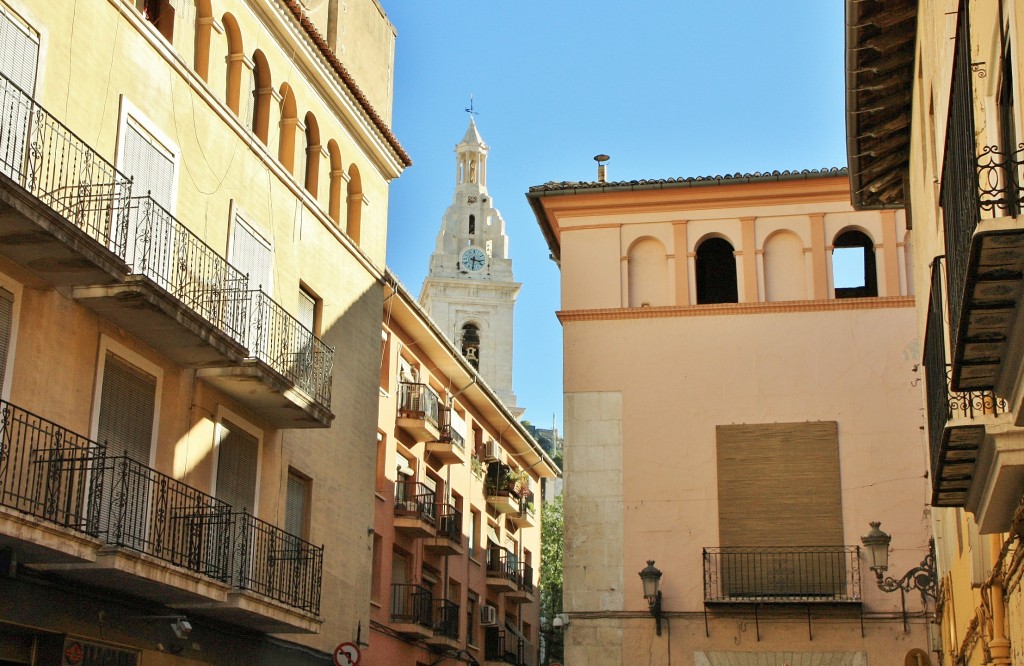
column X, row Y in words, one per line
column 999, row 645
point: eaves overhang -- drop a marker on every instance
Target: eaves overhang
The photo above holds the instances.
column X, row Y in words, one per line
column 880, row 50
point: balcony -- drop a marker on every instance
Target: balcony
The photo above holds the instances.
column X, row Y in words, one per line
column 181, row 297
column 781, row 575
column 275, row 579
column 63, row 208
column 526, row 516
column 412, row 610
column 445, row 625
column 450, row 447
column 419, row 411
column 523, row 593
column 504, row 647
column 956, row 419
column 415, row 510
column 981, row 203
column 287, row 376
column 448, row 540
column 502, row 570
column 68, row 219
column 44, row 489
column 503, row 488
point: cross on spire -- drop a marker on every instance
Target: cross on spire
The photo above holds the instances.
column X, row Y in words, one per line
column 469, row 109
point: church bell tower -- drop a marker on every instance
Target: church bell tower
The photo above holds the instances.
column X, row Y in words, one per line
column 469, row 291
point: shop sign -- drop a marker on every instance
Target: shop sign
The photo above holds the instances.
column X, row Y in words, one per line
column 83, row 653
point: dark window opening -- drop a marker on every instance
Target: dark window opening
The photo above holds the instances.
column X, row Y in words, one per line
column 853, row 266
column 716, row 272
column 161, row 14
column 472, row 224
column 1008, row 135
column 471, row 344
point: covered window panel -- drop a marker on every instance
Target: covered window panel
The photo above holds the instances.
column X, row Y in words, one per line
column 19, row 52
column 237, row 458
column 295, row 505
column 127, row 407
column 6, row 323
column 251, row 255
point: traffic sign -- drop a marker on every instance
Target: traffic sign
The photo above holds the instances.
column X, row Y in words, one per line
column 346, row 654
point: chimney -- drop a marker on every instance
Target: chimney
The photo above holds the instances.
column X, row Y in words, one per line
column 602, row 174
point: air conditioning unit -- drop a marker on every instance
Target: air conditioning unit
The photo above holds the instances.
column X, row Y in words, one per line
column 488, row 616
column 491, row 451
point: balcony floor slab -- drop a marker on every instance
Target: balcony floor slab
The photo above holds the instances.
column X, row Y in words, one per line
column 270, row 395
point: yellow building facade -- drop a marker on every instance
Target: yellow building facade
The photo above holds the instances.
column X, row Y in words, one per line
column 736, row 413
column 194, row 199
column 933, row 125
column 456, row 548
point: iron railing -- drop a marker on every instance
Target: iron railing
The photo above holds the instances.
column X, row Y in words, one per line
column 446, row 619
column 419, row 401
column 276, row 564
column 45, row 469
column 449, row 522
column 179, row 262
column 412, row 604
column 782, row 574
column 283, row 343
column 448, row 431
column 506, row 647
column 959, row 196
column 525, row 578
column 149, row 512
column 502, row 563
column 415, row 498
column 53, row 164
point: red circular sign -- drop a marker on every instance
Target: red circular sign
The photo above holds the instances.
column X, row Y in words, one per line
column 74, row 653
column 346, row 654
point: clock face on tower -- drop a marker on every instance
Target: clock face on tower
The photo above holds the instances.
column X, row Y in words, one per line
column 473, row 259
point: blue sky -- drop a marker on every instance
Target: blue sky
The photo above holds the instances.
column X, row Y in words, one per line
column 668, row 88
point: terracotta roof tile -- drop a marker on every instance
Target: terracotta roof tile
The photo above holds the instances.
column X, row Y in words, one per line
column 829, row 172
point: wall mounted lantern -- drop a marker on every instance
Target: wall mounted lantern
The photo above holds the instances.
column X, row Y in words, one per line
column 651, row 577
column 922, row 577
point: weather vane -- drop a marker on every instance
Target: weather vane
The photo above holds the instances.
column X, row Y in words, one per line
column 469, row 109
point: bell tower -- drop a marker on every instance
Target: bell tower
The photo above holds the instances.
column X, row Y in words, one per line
column 469, row 291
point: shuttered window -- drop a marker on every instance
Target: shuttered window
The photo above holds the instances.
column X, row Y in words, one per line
column 237, row 457
column 295, row 505
column 779, row 487
column 6, row 323
column 307, row 310
column 151, row 168
column 19, row 52
column 251, row 255
column 127, row 406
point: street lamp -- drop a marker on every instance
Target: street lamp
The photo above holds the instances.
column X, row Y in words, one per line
column 651, row 577
column 922, row 577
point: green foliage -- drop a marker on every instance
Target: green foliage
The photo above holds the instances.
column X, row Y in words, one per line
column 552, row 545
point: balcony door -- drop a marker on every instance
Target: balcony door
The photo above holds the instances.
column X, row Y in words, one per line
column 125, row 425
column 253, row 256
column 19, row 58
column 237, row 466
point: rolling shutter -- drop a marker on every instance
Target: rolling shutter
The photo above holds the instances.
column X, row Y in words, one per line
column 151, row 169
column 6, row 322
column 127, row 406
column 19, row 52
column 295, row 505
column 236, row 467
column 779, row 487
column 251, row 256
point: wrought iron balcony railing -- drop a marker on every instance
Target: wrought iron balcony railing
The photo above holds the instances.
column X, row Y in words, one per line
column 416, row 498
column 165, row 251
column 502, row 563
column 276, row 564
column 419, row 401
column 283, row 343
column 53, row 164
column 782, row 574
column 446, row 619
column 449, row 522
column 450, row 434
column 526, row 577
column 503, row 646
column 412, row 604
column 45, row 469
column 143, row 510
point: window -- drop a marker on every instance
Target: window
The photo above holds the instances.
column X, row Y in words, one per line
column 6, row 324
column 161, row 14
column 780, row 481
column 472, row 224
column 296, row 516
column 237, row 461
column 853, row 265
column 474, row 531
column 716, row 272
column 1008, row 133
column 127, row 409
column 150, row 161
column 251, row 255
column 375, row 583
column 19, row 56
